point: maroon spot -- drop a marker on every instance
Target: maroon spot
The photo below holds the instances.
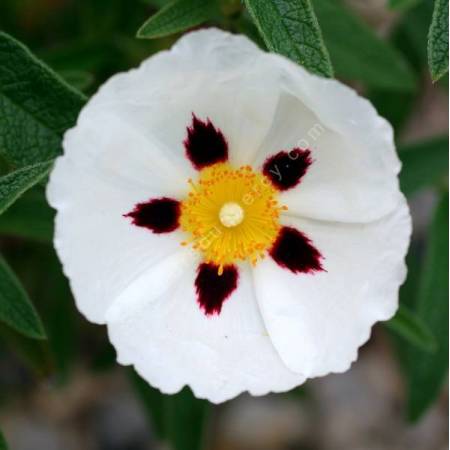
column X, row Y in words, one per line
column 205, row 145
column 213, row 289
column 159, row 215
column 294, row 251
column 285, row 169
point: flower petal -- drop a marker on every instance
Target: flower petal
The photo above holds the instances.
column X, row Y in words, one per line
column 101, row 251
column 210, row 73
column 158, row 326
column 112, row 150
column 317, row 321
column 353, row 177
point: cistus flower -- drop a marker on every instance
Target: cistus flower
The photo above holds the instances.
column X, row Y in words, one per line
column 234, row 220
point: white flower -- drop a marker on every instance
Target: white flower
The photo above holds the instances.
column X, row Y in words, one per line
column 235, row 221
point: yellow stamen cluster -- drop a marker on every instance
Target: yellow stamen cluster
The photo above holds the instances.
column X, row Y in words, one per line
column 231, row 214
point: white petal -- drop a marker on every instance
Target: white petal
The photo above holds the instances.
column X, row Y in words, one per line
column 354, row 174
column 92, row 187
column 210, row 73
column 317, row 322
column 157, row 325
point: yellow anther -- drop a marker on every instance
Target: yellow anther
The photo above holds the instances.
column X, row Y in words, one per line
column 232, row 215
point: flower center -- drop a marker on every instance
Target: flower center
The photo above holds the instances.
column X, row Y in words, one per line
column 231, row 214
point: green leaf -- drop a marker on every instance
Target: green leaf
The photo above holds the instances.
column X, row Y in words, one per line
column 155, row 3
column 396, row 107
column 35, row 355
column 14, row 184
column 181, row 409
column 424, row 164
column 79, row 79
column 438, row 40
column 410, row 327
column 358, row 54
column 16, row 309
column 170, row 414
column 175, row 17
column 152, row 400
column 56, row 300
column 3, row 445
column 30, row 217
column 409, row 35
column 402, row 5
column 290, row 27
column 36, row 106
column 426, row 372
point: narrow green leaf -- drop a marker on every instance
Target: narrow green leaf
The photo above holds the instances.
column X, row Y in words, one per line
column 402, row 5
column 79, row 79
column 152, row 400
column 426, row 372
column 155, row 3
column 175, row 17
column 103, row 358
column 410, row 327
column 424, row 164
column 410, row 33
column 181, row 409
column 438, row 40
column 55, row 298
column 170, row 414
column 290, row 27
column 14, row 184
column 36, row 106
column 408, row 297
column 16, row 309
column 34, row 354
column 357, row 53
column 30, row 217
column 409, row 37
column 3, row 445
column 94, row 56
column 394, row 106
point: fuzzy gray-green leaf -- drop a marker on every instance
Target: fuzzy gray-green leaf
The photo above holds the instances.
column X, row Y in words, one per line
column 175, row 17
column 290, row 27
column 36, row 106
column 14, row 184
column 438, row 40
column 30, row 217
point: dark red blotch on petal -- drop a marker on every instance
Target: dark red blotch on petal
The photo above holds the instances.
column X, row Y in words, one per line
column 205, row 145
column 159, row 215
column 213, row 289
column 286, row 169
column 294, row 251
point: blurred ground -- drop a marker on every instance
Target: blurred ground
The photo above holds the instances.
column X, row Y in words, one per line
column 360, row 410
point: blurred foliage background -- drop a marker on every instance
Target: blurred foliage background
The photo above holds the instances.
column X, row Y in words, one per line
column 60, row 387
